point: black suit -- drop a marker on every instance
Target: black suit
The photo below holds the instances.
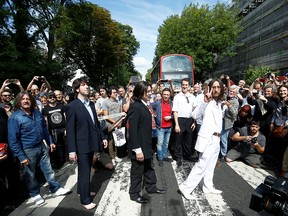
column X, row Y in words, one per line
column 139, row 127
column 84, row 138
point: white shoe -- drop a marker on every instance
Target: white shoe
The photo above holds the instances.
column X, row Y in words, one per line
column 212, row 191
column 89, row 206
column 61, row 192
column 186, row 195
column 38, row 200
column 117, row 159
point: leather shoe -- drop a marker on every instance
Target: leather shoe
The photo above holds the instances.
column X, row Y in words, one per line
column 141, row 200
column 157, row 191
column 179, row 163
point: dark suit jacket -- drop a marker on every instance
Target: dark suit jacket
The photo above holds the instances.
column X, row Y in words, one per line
column 139, row 128
column 83, row 136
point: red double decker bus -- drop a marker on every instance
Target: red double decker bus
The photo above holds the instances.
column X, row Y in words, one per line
column 174, row 67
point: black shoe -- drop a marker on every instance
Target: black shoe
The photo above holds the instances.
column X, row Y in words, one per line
column 160, row 163
column 167, row 160
column 141, row 200
column 191, row 159
column 179, row 163
column 157, row 191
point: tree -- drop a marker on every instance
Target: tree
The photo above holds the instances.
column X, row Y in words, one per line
column 98, row 45
column 27, row 28
column 127, row 68
column 201, row 32
column 254, row 72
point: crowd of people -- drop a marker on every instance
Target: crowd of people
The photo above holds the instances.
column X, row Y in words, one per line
column 219, row 120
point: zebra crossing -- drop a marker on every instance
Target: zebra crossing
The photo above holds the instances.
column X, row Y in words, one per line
column 236, row 180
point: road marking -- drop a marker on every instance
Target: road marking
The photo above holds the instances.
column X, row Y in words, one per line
column 212, row 204
column 115, row 200
column 68, row 172
column 253, row 176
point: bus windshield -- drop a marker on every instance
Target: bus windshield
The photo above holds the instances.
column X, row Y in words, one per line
column 176, row 63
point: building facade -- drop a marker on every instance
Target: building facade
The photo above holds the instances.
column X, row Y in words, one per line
column 264, row 39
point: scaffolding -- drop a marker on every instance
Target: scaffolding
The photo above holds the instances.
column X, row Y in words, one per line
column 264, row 38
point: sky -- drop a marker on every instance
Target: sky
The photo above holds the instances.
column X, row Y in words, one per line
column 145, row 17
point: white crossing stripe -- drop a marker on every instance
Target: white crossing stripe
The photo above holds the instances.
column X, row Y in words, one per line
column 115, row 200
column 253, row 176
column 68, row 172
column 195, row 207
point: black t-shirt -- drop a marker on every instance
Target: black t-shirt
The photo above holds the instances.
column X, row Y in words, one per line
column 55, row 116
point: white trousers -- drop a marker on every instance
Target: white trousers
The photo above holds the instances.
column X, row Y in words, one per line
column 204, row 168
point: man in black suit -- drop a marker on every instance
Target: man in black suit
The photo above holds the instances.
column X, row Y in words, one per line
column 84, row 137
column 139, row 128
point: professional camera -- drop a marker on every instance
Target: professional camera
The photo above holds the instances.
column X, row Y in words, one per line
column 254, row 140
column 272, row 196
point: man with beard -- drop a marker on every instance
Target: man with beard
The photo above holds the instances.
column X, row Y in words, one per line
column 250, row 144
column 26, row 131
column 208, row 141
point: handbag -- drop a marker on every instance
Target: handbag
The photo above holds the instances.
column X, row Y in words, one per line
column 119, row 136
column 3, row 149
column 278, row 131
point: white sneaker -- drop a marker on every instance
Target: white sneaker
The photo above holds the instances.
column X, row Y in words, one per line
column 186, row 195
column 38, row 200
column 117, row 159
column 61, row 192
column 212, row 191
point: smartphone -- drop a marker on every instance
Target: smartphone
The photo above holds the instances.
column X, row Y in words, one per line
column 164, row 80
column 12, row 80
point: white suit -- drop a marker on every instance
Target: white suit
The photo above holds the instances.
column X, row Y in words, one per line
column 208, row 145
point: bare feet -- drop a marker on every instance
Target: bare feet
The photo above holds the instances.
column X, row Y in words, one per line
column 90, row 206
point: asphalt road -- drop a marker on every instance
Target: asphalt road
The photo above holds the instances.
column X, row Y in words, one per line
column 236, row 180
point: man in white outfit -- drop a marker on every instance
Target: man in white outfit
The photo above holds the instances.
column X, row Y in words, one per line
column 208, row 141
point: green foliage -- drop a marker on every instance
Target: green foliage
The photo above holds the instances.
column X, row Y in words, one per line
column 23, row 27
column 254, row 72
column 56, row 37
column 201, row 32
column 100, row 46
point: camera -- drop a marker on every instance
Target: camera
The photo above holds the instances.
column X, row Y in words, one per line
column 271, row 196
column 254, row 140
column 41, row 79
column 12, row 80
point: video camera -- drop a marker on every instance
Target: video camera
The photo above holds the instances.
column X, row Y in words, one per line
column 271, row 196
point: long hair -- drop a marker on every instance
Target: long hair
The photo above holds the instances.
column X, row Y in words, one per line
column 140, row 90
column 221, row 86
column 18, row 98
column 278, row 90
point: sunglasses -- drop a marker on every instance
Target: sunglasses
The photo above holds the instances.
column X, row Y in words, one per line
column 6, row 95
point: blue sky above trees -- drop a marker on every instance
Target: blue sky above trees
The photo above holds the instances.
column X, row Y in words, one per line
column 145, row 17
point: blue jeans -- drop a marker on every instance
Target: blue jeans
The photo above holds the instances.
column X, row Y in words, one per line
column 39, row 155
column 224, row 142
column 163, row 141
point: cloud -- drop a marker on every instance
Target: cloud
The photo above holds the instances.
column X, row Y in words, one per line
column 141, row 62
